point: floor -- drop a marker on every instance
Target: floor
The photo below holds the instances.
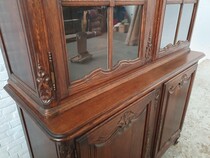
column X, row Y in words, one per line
column 195, row 137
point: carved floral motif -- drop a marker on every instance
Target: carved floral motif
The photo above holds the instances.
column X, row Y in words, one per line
column 44, row 85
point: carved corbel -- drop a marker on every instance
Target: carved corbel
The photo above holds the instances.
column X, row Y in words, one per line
column 44, row 84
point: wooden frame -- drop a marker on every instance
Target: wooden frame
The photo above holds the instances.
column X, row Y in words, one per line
column 177, row 45
column 133, row 102
column 99, row 75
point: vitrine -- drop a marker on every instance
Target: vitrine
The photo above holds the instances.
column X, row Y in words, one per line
column 99, row 78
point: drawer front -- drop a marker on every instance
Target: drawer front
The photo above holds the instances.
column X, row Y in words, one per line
column 128, row 134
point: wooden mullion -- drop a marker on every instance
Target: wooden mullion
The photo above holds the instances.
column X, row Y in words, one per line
column 142, row 33
column 110, row 37
column 85, row 3
column 178, row 23
column 192, row 21
column 190, row 1
column 174, row 1
column 127, row 2
column 160, row 11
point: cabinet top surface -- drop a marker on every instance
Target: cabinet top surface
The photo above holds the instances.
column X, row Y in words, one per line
column 86, row 115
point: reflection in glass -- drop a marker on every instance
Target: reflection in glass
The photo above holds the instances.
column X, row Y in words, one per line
column 170, row 24
column 185, row 22
column 86, row 39
column 127, row 22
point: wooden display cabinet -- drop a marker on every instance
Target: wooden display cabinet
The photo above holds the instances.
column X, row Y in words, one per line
column 85, row 88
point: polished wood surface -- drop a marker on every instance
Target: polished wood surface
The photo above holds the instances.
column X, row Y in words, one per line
column 118, row 98
column 175, row 99
column 15, row 43
column 134, row 109
column 128, row 134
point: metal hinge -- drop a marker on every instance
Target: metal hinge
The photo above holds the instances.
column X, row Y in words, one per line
column 52, row 74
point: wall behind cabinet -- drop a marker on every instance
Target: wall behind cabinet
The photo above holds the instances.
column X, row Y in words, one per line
column 12, row 140
column 201, row 33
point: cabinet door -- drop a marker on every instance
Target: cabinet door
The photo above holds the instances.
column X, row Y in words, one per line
column 128, row 134
column 176, row 97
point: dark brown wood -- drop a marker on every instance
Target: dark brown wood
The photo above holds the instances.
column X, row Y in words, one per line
column 41, row 146
column 25, row 131
column 13, row 35
column 118, row 98
column 127, row 134
column 120, row 112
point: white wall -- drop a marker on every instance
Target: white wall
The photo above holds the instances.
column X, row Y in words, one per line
column 12, row 140
column 201, row 33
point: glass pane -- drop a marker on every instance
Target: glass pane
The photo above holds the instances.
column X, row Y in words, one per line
column 185, row 22
column 170, row 24
column 127, row 26
column 86, row 39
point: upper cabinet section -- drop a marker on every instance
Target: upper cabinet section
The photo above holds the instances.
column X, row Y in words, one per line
column 101, row 37
column 71, row 47
column 176, row 26
column 105, row 39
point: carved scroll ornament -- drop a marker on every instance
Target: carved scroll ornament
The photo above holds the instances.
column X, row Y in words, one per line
column 184, row 79
column 124, row 122
column 169, row 46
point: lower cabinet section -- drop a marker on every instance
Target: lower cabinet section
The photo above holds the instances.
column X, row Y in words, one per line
column 129, row 134
column 176, row 94
column 144, row 129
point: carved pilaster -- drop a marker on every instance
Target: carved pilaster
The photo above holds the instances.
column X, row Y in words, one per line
column 148, row 54
column 45, row 88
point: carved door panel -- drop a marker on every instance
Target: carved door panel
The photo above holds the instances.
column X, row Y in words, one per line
column 176, row 96
column 128, row 134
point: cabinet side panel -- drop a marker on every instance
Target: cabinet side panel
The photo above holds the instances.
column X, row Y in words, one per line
column 15, row 42
column 41, row 145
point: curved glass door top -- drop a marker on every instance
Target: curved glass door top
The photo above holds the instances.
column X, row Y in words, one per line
column 86, row 39
column 177, row 23
column 127, row 26
column 94, row 44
